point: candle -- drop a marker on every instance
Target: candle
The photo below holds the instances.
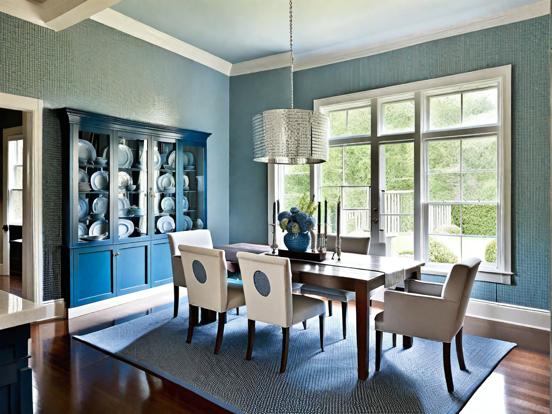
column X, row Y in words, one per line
column 278, row 206
column 319, row 223
column 338, row 218
column 326, row 217
column 274, row 212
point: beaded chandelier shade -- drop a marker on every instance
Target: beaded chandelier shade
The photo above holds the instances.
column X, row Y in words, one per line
column 290, row 136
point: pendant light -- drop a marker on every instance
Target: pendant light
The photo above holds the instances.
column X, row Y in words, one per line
column 290, row 136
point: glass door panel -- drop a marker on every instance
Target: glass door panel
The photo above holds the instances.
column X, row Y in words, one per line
column 193, row 197
column 164, row 186
column 132, row 186
column 93, row 186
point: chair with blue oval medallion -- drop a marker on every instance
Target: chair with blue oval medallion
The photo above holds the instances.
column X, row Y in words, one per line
column 207, row 281
column 349, row 244
column 268, row 296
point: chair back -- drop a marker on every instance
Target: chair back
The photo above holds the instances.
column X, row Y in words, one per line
column 206, row 277
column 267, row 288
column 350, row 244
column 458, row 285
column 198, row 238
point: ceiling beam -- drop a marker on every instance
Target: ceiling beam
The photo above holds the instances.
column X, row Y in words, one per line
column 54, row 14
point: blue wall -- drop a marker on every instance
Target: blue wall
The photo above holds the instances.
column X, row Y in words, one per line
column 95, row 68
column 524, row 45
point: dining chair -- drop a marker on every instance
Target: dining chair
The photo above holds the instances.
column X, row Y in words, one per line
column 432, row 311
column 349, row 244
column 268, row 296
column 199, row 238
column 207, row 282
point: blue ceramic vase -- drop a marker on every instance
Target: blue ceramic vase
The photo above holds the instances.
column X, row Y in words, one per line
column 297, row 242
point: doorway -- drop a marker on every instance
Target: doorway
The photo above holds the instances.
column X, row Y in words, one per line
column 11, row 201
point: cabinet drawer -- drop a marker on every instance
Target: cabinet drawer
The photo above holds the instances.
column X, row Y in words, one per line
column 161, row 264
column 92, row 276
column 132, row 267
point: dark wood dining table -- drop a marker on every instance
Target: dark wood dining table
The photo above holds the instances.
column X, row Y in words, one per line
column 358, row 273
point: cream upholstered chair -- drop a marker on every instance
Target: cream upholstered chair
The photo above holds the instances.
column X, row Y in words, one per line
column 199, row 238
column 267, row 287
column 349, row 244
column 431, row 311
column 208, row 288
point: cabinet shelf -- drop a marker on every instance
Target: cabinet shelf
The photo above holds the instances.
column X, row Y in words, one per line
column 132, row 169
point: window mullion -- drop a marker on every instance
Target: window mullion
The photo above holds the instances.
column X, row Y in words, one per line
column 419, row 112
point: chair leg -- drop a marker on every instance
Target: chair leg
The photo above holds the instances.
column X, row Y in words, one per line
column 176, row 300
column 330, row 307
column 344, row 318
column 192, row 321
column 446, row 365
column 285, row 346
column 237, row 311
column 321, row 318
column 394, row 340
column 305, row 324
column 460, row 350
column 220, row 331
column 379, row 338
column 407, row 342
column 250, row 339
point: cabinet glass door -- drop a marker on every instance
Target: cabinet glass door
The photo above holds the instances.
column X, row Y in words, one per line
column 164, row 186
column 132, row 186
column 93, row 186
column 193, row 197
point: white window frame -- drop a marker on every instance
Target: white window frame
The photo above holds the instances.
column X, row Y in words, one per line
column 420, row 91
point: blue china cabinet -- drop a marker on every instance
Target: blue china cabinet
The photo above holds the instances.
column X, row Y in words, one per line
column 126, row 185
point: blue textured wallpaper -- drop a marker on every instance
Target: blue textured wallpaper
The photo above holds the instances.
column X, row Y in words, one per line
column 524, row 45
column 95, row 68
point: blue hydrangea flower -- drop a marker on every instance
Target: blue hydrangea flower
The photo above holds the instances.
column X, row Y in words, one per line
column 284, row 215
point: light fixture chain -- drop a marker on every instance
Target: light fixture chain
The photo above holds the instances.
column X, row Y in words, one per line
column 291, row 48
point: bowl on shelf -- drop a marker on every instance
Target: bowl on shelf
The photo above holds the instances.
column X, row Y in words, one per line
column 170, row 190
column 131, row 187
column 94, row 238
column 84, row 187
column 101, row 162
column 96, row 216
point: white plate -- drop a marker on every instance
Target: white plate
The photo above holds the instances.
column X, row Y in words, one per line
column 165, row 224
column 165, row 181
column 156, row 159
column 188, row 223
column 191, row 159
column 185, row 203
column 100, row 205
column 125, row 156
column 124, row 180
column 186, row 182
column 83, row 208
column 83, row 177
column 83, row 230
column 123, row 204
column 100, row 181
column 126, row 228
column 87, row 152
column 168, row 204
column 98, row 228
column 172, row 159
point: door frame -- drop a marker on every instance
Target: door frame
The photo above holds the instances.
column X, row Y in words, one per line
column 32, row 192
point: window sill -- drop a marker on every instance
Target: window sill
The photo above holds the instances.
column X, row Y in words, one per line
column 483, row 275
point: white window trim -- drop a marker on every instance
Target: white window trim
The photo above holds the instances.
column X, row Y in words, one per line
column 420, row 90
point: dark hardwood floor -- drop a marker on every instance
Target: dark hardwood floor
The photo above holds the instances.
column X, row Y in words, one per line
column 71, row 377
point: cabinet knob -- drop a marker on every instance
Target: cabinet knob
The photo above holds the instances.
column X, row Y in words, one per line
column 116, row 254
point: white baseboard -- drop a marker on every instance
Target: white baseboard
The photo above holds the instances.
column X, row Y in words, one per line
column 119, row 300
column 55, row 309
column 516, row 315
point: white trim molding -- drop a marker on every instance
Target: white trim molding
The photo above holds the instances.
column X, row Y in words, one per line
column 118, row 300
column 516, row 315
column 32, row 193
column 125, row 24
column 278, row 61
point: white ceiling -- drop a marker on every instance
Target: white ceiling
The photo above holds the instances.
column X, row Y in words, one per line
column 240, row 30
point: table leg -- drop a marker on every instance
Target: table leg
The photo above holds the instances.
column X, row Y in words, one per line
column 207, row 316
column 362, row 328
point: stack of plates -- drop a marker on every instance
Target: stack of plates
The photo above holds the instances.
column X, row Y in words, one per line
column 87, row 152
column 165, row 224
column 126, row 228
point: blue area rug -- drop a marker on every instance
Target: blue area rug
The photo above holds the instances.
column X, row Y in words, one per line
column 410, row 381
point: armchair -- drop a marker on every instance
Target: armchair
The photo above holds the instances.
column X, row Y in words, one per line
column 431, row 311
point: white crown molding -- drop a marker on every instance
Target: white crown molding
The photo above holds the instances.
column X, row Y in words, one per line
column 325, row 57
column 280, row 60
column 125, row 24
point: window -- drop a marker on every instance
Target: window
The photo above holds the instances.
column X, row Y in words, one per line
column 440, row 150
column 15, row 181
column 346, row 176
column 295, row 183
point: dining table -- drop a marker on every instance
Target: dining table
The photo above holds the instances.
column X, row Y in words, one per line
column 359, row 273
